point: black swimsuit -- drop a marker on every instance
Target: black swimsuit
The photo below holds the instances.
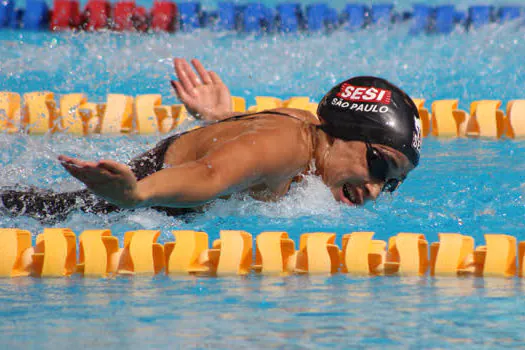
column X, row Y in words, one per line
column 51, row 206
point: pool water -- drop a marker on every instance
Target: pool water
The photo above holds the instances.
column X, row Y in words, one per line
column 462, row 185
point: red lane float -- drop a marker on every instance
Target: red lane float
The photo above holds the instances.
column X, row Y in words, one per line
column 163, row 16
column 65, row 15
column 122, row 15
column 96, row 14
column 140, row 19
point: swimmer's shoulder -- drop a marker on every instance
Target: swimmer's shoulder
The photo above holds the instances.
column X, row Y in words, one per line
column 299, row 114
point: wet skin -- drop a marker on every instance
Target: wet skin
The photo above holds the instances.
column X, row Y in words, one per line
column 261, row 156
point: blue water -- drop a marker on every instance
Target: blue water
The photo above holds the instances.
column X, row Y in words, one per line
column 467, row 186
column 293, row 313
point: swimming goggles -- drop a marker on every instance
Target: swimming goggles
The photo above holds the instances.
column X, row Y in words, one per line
column 379, row 167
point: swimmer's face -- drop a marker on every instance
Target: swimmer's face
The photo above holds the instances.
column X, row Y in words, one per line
column 351, row 169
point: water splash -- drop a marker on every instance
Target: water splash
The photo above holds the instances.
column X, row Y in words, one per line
column 449, row 191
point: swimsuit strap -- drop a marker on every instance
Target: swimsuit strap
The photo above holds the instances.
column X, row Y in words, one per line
column 254, row 115
column 237, row 117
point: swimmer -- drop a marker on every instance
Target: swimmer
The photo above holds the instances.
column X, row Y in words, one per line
column 365, row 140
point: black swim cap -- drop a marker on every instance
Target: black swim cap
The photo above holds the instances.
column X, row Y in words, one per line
column 372, row 110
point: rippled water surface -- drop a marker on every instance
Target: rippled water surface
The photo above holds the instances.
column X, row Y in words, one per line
column 467, row 186
column 296, row 312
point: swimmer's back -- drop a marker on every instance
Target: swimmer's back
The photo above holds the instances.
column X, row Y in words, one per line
column 289, row 122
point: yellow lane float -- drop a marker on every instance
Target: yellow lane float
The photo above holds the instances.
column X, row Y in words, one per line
column 9, row 111
column 37, row 113
column 486, row 120
column 447, row 119
column 407, row 254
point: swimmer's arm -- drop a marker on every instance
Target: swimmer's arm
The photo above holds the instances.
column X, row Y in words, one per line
column 187, row 185
column 233, row 168
column 184, row 186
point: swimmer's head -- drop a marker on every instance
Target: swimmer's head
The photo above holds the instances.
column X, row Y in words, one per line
column 372, row 110
column 380, row 132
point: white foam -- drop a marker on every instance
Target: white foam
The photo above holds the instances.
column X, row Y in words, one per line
column 309, row 197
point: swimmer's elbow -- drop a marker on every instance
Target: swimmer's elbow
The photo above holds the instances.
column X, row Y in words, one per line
column 192, row 189
column 211, row 184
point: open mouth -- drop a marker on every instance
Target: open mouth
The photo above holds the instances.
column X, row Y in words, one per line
column 349, row 193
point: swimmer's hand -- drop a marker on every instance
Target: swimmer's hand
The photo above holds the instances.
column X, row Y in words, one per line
column 205, row 96
column 113, row 181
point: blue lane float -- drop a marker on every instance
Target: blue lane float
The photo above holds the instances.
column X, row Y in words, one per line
column 7, row 13
column 36, row 15
column 421, row 19
column 354, row 16
column 331, row 19
column 208, row 18
column 320, row 17
column 509, row 13
column 315, row 17
column 284, row 18
column 382, row 14
column 289, row 18
column 190, row 16
column 479, row 16
column 444, row 19
column 16, row 19
column 257, row 18
column 226, row 16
